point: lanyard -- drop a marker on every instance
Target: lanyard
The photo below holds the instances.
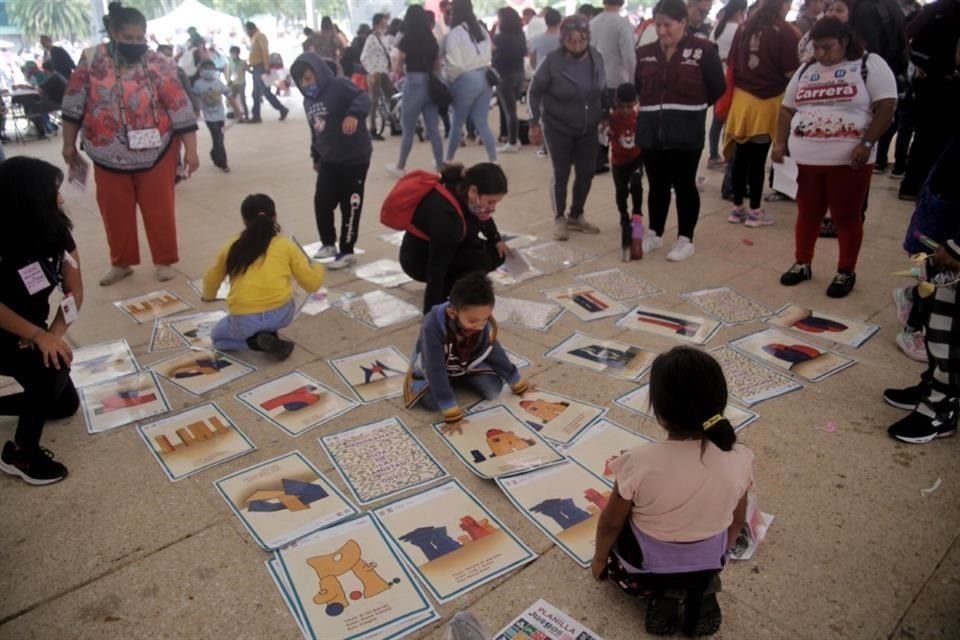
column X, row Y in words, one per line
column 121, row 103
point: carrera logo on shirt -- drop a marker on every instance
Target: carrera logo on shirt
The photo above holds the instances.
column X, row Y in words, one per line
column 813, row 93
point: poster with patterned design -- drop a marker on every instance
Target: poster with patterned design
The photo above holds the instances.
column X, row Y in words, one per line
column 380, row 460
column 528, row 314
column 373, row 375
column 600, row 444
column 638, row 401
column 825, row 326
column 453, row 542
column 153, row 305
column 791, row 354
column 727, row 305
column 556, row 417
column 610, row 357
column 619, row 285
column 296, row 402
column 101, row 362
column 118, row 402
column 748, row 381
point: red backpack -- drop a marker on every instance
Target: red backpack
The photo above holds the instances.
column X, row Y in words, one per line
column 400, row 204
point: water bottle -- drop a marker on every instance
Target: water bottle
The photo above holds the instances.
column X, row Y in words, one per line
column 636, row 237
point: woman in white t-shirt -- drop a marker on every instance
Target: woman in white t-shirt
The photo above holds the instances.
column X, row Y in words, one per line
column 834, row 110
column 728, row 21
column 679, row 504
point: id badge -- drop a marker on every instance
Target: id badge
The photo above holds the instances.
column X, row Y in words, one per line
column 141, row 139
column 69, row 308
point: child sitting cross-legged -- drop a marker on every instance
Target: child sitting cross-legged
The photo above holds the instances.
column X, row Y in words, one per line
column 677, row 505
column 458, row 345
column 261, row 265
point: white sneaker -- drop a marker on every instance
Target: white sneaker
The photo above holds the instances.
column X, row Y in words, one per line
column 560, row 231
column 651, row 242
column 542, row 153
column 682, row 249
column 395, row 171
column 342, row 261
column 165, row 273
column 115, row 274
column 913, row 345
column 326, row 251
column 508, row 148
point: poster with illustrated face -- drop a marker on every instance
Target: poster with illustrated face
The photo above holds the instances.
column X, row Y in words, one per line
column 609, row 357
column 494, row 443
column 565, row 502
column 556, row 417
column 789, row 353
column 283, row 499
column 619, row 285
column 822, row 325
column 748, row 381
column 194, row 440
column 638, row 401
column 600, row 444
column 586, row 302
column 101, row 362
column 197, row 328
column 296, row 402
column 727, row 305
column 121, row 401
column 348, row 583
column 153, row 305
column 453, row 542
column 670, row 324
column 381, row 459
column 373, row 375
column 200, row 371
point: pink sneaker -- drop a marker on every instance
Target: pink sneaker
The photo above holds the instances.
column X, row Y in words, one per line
column 913, row 345
column 737, row 215
column 758, row 218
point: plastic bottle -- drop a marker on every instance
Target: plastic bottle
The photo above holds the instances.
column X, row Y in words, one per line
column 636, row 238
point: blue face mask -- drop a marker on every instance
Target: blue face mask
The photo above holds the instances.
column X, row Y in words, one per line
column 310, row 91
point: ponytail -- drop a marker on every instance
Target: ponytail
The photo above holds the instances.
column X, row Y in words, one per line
column 260, row 217
column 732, row 8
column 719, row 431
column 119, row 16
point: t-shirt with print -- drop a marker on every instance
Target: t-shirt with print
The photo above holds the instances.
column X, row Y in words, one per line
column 680, row 491
column 421, row 57
column 623, row 137
column 763, row 61
column 834, row 107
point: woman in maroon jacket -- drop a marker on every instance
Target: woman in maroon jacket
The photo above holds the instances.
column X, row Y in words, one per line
column 678, row 77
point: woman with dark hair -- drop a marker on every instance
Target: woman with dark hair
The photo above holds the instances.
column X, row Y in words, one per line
column 764, row 56
column 728, row 21
column 834, row 111
column 509, row 51
column 37, row 256
column 466, row 64
column 134, row 115
column 444, row 240
column 417, row 58
column 678, row 77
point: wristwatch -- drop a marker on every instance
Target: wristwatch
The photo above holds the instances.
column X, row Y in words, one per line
column 867, row 144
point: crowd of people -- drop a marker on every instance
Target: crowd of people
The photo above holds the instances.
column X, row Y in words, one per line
column 829, row 92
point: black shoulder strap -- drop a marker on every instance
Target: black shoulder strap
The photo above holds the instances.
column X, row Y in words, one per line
column 863, row 66
column 806, row 65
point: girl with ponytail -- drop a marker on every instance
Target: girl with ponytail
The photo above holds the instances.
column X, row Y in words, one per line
column 679, row 504
column 261, row 266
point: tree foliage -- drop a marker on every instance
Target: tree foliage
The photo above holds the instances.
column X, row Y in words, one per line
column 56, row 18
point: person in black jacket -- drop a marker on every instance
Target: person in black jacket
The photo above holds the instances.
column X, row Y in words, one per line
column 61, row 60
column 455, row 246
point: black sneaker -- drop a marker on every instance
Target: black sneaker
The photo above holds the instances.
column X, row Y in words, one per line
column 906, row 399
column 842, row 284
column 879, row 169
column 663, row 616
column 796, row 274
column 897, row 173
column 273, row 344
column 37, row 468
column 703, row 618
column 284, row 114
column 917, row 428
column 377, row 137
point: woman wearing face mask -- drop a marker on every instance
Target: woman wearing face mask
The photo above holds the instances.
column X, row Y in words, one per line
column 134, row 114
column 443, row 241
column 565, row 101
column 678, row 77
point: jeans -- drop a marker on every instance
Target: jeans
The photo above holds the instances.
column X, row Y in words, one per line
column 509, row 91
column 488, row 385
column 261, row 91
column 578, row 152
column 218, row 154
column 339, row 184
column 716, row 128
column 416, row 100
column 748, row 169
column 48, row 393
column 471, row 99
column 675, row 168
column 231, row 333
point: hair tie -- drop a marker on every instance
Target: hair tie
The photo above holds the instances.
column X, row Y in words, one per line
column 712, row 421
column 261, row 213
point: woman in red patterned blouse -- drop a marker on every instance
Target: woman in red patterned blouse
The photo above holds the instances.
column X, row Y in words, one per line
column 134, row 115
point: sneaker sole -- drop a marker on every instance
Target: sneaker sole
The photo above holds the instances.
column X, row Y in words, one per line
column 899, row 405
column 338, row 266
column 757, row 225
column 735, row 220
column 9, row 469
column 926, row 439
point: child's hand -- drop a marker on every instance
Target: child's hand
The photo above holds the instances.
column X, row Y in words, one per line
column 599, row 569
column 945, row 260
column 454, row 428
column 350, row 125
column 531, row 387
column 503, row 249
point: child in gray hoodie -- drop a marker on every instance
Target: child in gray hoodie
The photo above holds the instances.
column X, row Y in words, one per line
column 210, row 91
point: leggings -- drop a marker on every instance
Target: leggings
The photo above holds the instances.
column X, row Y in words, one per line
column 748, row 165
column 675, row 168
column 579, row 153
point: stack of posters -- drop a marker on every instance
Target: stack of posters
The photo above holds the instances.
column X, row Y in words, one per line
column 609, row 357
column 638, row 401
column 194, row 440
column 750, row 382
column 528, row 314
column 196, row 329
column 348, row 583
column 602, row 443
column 153, row 305
column 296, row 402
column 200, row 371
column 727, row 305
column 788, row 353
column 101, row 362
column 619, row 285
column 121, row 401
column 381, row 460
column 377, row 309
column 383, row 273
column 565, row 502
column 669, row 324
column 822, row 325
column 373, row 375
column 283, row 499
column 543, row 621
column 453, row 542
column 556, row 417
column 586, row 302
column 495, row 443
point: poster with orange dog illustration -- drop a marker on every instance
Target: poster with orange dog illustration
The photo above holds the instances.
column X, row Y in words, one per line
column 495, row 443
column 347, row 583
column 600, row 444
column 556, row 417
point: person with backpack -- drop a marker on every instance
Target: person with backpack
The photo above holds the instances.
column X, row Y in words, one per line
column 443, row 216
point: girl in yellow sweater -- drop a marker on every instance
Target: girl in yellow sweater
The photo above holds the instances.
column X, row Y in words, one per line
column 260, row 264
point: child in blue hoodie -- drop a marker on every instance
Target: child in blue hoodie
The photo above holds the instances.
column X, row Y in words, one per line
column 336, row 112
column 458, row 344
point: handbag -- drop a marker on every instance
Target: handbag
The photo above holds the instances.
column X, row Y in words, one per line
column 493, row 77
column 439, row 92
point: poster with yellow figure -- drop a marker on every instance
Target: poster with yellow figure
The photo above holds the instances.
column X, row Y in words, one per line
column 602, row 443
column 347, row 583
column 556, row 417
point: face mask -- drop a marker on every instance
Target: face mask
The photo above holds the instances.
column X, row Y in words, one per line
column 131, row 52
column 310, row 91
column 208, row 74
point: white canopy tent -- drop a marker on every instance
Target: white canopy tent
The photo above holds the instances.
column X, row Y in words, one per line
column 211, row 24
